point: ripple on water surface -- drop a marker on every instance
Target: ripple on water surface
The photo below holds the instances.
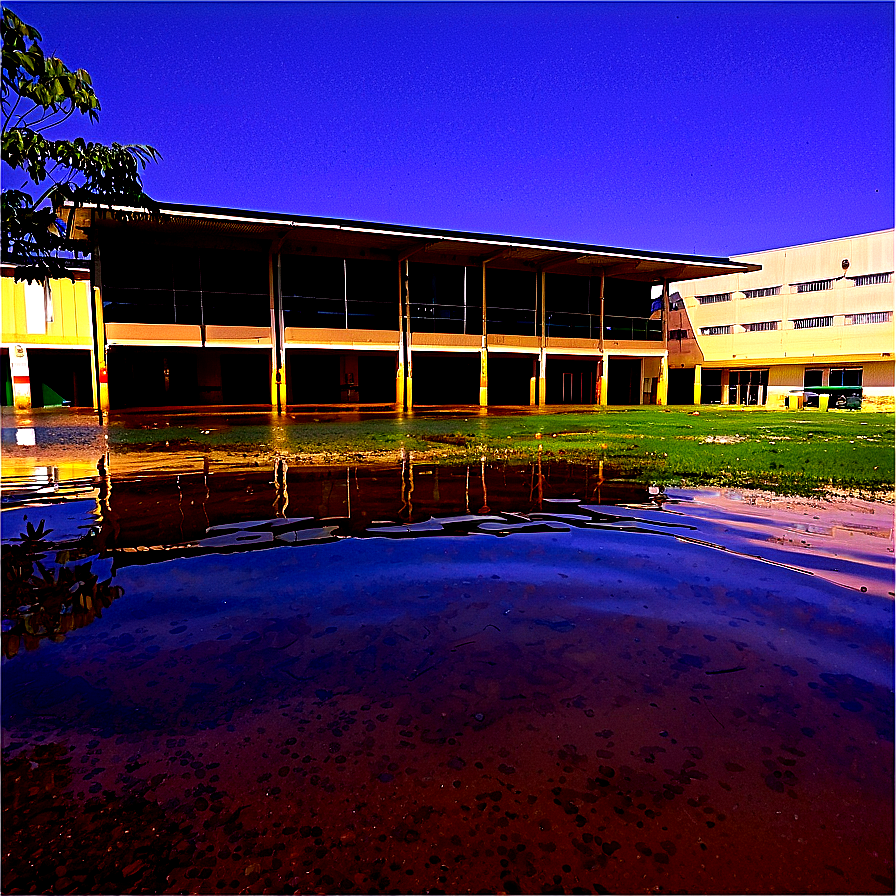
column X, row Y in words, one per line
column 535, row 697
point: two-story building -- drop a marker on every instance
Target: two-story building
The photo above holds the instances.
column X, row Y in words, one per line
column 804, row 318
column 221, row 307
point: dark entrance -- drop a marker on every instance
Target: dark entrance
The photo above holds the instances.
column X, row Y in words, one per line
column 60, row 378
column 312, row 378
column 571, row 381
column 681, row 386
column 624, row 386
column 508, row 378
column 446, row 378
column 184, row 377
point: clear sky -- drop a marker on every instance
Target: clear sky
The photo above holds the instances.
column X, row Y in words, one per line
column 714, row 128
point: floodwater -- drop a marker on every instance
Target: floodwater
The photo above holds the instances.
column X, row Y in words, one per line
column 422, row 679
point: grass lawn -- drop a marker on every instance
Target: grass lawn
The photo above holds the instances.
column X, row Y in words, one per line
column 791, row 452
column 796, row 452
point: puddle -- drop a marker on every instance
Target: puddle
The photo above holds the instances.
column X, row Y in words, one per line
column 424, row 679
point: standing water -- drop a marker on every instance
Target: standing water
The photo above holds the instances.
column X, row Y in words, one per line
column 424, row 679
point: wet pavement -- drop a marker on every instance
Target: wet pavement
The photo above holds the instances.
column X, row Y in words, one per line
column 416, row 679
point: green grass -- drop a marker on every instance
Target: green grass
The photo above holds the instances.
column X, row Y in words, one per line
column 793, row 452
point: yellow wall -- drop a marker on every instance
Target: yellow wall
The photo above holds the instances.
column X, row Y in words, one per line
column 71, row 315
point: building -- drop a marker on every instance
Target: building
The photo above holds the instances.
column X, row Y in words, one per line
column 49, row 347
column 220, row 307
column 805, row 317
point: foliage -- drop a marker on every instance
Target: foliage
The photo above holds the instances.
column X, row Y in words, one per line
column 40, row 602
column 40, row 92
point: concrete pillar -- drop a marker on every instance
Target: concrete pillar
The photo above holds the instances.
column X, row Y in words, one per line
column 409, row 379
column 402, row 396
column 276, row 381
column 483, row 351
column 698, row 384
column 533, row 384
column 543, row 354
column 726, row 375
column 100, row 353
column 399, row 377
column 21, row 377
column 278, row 336
column 662, row 383
column 101, row 378
column 605, row 378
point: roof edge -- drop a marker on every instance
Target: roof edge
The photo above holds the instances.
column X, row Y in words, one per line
column 250, row 216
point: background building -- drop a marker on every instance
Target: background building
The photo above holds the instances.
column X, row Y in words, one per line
column 818, row 315
column 48, row 349
column 222, row 307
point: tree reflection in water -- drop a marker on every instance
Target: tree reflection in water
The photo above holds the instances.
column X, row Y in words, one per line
column 40, row 601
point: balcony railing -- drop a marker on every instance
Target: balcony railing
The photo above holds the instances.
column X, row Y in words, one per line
column 571, row 325
column 339, row 314
column 634, row 328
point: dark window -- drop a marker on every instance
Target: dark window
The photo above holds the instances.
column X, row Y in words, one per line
column 445, row 298
column 333, row 293
column 870, row 317
column 573, row 306
column 813, row 377
column 313, row 291
column 510, row 302
column 713, row 298
column 372, row 294
column 234, row 288
column 871, row 279
column 748, row 386
column 814, row 286
column 810, row 322
column 847, row 376
column 627, row 311
column 145, row 283
column 711, row 387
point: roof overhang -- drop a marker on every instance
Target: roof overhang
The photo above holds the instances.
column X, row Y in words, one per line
column 296, row 233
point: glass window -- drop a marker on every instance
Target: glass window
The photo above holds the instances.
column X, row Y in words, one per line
column 813, row 377
column 847, row 376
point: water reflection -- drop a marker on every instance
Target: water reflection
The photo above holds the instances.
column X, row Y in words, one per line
column 197, row 509
column 486, row 678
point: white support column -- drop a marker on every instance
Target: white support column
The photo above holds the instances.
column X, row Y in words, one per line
column 21, row 377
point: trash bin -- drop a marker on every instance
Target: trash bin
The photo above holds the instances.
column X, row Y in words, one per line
column 795, row 402
column 823, row 401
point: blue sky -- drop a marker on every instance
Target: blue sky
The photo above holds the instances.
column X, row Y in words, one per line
column 714, row 128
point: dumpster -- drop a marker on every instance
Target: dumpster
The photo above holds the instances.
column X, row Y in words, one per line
column 840, row 397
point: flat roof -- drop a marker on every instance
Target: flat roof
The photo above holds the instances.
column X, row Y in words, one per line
column 435, row 245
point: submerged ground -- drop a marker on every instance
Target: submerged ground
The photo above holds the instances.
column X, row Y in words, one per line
column 792, row 452
column 517, row 673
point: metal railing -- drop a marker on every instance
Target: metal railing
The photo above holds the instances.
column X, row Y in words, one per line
column 339, row 314
column 573, row 325
column 815, row 286
column 429, row 317
column 133, row 305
